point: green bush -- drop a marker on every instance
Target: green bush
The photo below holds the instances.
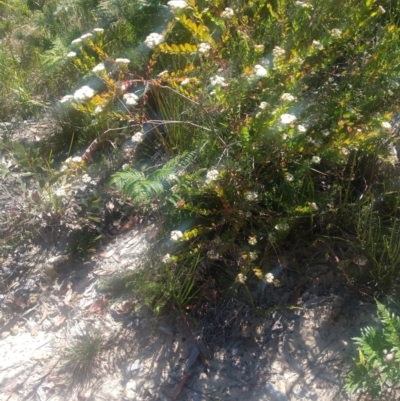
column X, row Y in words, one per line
column 377, row 370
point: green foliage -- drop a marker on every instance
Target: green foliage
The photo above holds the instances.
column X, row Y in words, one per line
column 81, row 356
column 377, row 370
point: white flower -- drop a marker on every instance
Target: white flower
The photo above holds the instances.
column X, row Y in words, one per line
column 301, row 4
column 227, row 13
column 263, row 105
column 382, row 10
column 269, row 278
column 86, row 36
column 289, row 177
column 76, row 41
column 99, row 67
column 212, row 255
column 336, row 33
column 282, row 227
column 316, row 159
column 66, row 99
column 287, row 97
column 185, row 81
column 260, row 71
column 98, row 30
column 84, row 93
column 325, row 132
column 177, row 4
column 59, row 191
column 86, row 178
column 318, row 45
column 253, row 256
column 174, row 189
column 387, row 126
column 167, row 259
column 76, row 159
column 98, row 109
column 218, row 81
column 251, row 196
column 241, row 278
column 154, row 39
column 344, row 151
column 211, row 175
column 288, row 118
column 176, row 235
column 278, row 51
column 259, row 48
column 138, row 137
column 301, row 128
column 122, row 60
column 314, row 206
column 172, row 177
column 252, row 240
column 71, row 54
column 130, row 99
column 204, row 47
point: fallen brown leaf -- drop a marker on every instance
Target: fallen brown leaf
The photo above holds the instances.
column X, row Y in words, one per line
column 180, row 385
column 60, row 320
column 97, row 307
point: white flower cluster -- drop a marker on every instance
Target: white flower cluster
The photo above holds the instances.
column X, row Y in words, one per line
column 204, row 47
column 138, row 137
column 186, row 81
column 269, row 278
column 316, row 159
column 83, row 94
column 260, row 71
column 387, row 126
column 86, row 178
column 98, row 110
column 241, row 278
column 287, row 118
column 287, row 97
column 218, row 81
column 259, row 48
column 289, row 177
column 130, row 99
column 212, row 255
column 318, row 45
column 263, row 105
column 176, row 235
column 211, row 175
column 99, row 67
column 302, row 4
column 153, row 40
column 177, row 4
column 301, row 128
column 227, row 13
column 251, row 196
column 122, row 60
column 252, row 240
column 167, row 259
column 336, row 33
column 278, row 52
column 253, row 256
column 71, row 54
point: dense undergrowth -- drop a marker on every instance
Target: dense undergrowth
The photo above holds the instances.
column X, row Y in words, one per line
column 251, row 127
